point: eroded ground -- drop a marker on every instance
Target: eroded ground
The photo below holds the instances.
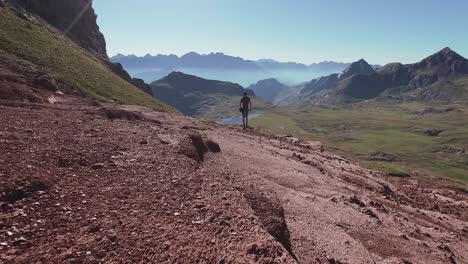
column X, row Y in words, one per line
column 87, row 182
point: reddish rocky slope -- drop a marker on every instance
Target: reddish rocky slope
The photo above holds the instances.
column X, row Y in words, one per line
column 82, row 181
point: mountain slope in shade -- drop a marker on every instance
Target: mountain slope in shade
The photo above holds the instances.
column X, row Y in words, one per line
column 434, row 78
column 193, row 95
column 333, row 81
column 269, row 89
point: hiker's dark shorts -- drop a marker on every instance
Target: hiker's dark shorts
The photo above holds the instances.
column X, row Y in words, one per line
column 245, row 112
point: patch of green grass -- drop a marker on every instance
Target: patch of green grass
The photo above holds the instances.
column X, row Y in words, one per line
column 358, row 130
column 27, row 41
column 462, row 190
column 278, row 124
column 388, row 168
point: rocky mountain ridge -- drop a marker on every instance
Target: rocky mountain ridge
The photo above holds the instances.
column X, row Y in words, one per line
column 193, row 59
column 433, row 78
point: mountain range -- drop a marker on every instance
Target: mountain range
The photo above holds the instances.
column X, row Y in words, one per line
column 437, row 77
column 217, row 60
column 225, row 67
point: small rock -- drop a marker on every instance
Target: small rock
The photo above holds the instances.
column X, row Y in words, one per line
column 144, row 142
column 112, row 236
column 97, row 166
column 4, row 244
column 356, row 200
column 444, row 247
column 20, row 240
column 452, row 259
column 167, row 245
column 432, row 132
column 29, row 131
column 213, row 146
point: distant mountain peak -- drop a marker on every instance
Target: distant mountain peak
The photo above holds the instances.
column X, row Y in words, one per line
column 176, row 74
column 192, row 53
column 268, row 89
column 447, row 52
column 359, row 67
column 269, row 80
column 445, row 61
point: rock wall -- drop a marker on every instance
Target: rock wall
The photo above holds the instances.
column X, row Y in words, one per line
column 76, row 18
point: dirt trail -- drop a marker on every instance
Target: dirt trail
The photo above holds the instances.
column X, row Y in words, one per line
column 86, row 182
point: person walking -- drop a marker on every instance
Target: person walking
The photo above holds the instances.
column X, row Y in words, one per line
column 245, row 107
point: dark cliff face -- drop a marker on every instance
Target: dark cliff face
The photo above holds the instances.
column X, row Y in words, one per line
column 120, row 71
column 76, row 18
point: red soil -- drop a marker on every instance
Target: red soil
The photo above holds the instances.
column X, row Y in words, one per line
column 84, row 182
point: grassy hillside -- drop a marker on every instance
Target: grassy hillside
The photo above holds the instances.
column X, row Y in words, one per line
column 26, row 41
column 365, row 128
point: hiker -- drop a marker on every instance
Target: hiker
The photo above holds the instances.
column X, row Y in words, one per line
column 245, row 107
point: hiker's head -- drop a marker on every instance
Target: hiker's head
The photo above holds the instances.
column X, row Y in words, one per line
column 245, row 93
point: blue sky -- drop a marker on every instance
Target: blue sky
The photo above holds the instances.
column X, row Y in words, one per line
column 305, row 31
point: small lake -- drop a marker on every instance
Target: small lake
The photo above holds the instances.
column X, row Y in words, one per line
column 235, row 120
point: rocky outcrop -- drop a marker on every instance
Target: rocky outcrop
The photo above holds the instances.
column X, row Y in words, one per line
column 361, row 70
column 76, row 18
column 120, row 71
column 360, row 67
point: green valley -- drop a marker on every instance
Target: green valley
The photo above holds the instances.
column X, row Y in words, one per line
column 400, row 130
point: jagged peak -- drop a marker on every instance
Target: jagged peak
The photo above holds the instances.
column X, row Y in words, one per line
column 445, row 61
column 446, row 49
column 358, row 67
column 445, row 52
column 361, row 61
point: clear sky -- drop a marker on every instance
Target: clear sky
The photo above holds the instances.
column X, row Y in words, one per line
column 307, row 31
